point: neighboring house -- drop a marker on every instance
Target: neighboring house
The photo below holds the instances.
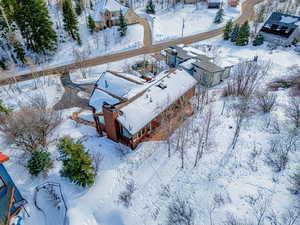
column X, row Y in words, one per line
column 281, row 29
column 233, row 3
column 108, row 11
column 199, row 66
column 214, row 3
column 129, row 109
column 11, row 200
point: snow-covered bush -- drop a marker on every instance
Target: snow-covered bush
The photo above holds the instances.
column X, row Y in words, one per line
column 295, row 183
column 40, row 161
column 180, row 212
column 277, row 157
column 293, row 111
column 265, row 101
column 125, row 197
column 77, row 164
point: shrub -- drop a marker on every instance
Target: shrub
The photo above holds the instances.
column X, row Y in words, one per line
column 125, row 197
column 295, row 182
column 180, row 212
column 77, row 164
column 265, row 101
column 259, row 40
column 40, row 161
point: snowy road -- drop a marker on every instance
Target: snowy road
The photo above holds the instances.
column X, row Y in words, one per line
column 247, row 14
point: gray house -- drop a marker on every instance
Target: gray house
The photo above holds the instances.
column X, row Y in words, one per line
column 281, row 29
column 197, row 65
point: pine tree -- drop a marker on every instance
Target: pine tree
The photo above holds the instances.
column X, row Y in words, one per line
column 70, row 21
column 40, row 161
column 33, row 19
column 234, row 33
column 91, row 24
column 228, row 30
column 219, row 16
column 19, row 51
column 150, row 7
column 259, row 40
column 78, row 7
column 9, row 42
column 123, row 25
column 77, row 164
column 243, row 35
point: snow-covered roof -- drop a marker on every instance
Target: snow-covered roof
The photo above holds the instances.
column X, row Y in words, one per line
column 188, row 64
column 121, row 85
column 99, row 97
column 110, row 5
column 142, row 110
column 214, row 1
column 281, row 24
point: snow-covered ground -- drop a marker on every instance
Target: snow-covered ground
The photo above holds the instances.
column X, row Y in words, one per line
column 187, row 20
column 240, row 186
column 103, row 42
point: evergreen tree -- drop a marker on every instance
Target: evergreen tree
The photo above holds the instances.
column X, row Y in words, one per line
column 259, row 40
column 39, row 161
column 19, row 51
column 70, row 21
column 91, row 24
column 77, row 164
column 123, row 25
column 34, row 22
column 234, row 33
column 11, row 47
column 243, row 35
column 78, row 7
column 219, row 16
column 227, row 30
column 4, row 109
column 150, row 7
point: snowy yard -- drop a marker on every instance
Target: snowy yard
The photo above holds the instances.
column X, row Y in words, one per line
column 187, row 20
column 220, row 185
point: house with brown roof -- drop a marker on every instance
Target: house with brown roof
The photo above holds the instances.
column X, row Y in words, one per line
column 128, row 109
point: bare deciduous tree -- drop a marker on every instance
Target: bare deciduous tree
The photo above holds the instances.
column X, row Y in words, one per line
column 293, row 111
column 180, row 212
column 203, row 133
column 32, row 125
column 265, row 101
column 240, row 112
column 277, row 156
column 245, row 78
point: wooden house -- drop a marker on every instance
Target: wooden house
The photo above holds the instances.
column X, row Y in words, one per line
column 201, row 67
column 11, row 200
column 129, row 109
column 281, row 29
